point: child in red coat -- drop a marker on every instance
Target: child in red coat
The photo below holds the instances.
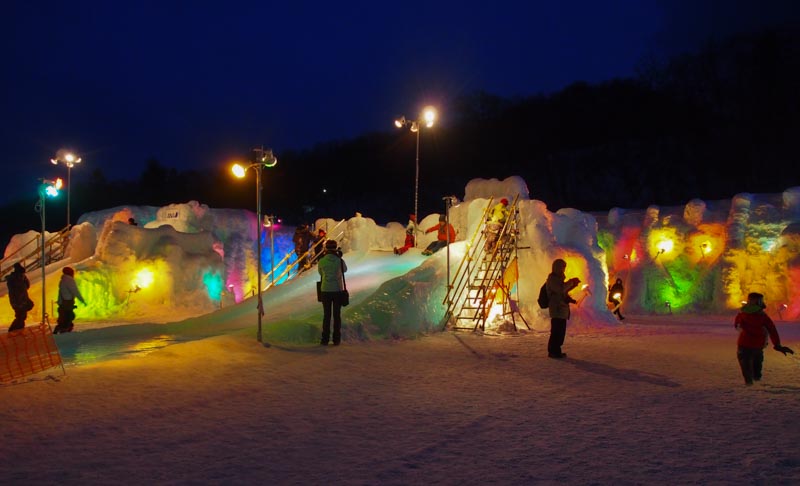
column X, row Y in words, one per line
column 754, row 326
column 411, row 229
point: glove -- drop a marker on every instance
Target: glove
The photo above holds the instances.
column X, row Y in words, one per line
column 570, row 300
column 784, row 349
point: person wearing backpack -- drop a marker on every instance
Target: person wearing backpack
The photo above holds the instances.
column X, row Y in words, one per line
column 558, row 289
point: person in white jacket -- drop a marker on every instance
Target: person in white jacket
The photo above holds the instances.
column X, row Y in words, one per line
column 67, row 293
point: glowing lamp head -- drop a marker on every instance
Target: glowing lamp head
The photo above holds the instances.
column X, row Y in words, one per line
column 429, row 115
column 51, row 188
column 238, row 170
column 414, row 127
column 399, row 122
column 267, row 158
column 66, row 157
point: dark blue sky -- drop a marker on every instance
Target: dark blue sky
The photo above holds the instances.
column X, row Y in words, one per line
column 195, row 83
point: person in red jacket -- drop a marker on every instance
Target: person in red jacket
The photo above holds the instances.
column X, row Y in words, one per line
column 411, row 230
column 754, row 326
column 445, row 235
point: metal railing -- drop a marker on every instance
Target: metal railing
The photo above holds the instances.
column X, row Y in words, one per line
column 30, row 256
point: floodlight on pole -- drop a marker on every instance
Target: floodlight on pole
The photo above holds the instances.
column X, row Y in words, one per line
column 428, row 118
column 47, row 188
column 69, row 159
column 262, row 158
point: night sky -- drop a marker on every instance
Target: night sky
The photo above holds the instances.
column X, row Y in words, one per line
column 194, row 84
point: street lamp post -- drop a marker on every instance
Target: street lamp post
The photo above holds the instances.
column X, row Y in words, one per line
column 69, row 159
column 46, row 188
column 263, row 158
column 428, row 117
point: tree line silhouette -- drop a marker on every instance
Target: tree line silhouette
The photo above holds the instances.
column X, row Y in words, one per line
column 709, row 124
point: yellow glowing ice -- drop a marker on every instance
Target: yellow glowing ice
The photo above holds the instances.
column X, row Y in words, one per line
column 143, row 279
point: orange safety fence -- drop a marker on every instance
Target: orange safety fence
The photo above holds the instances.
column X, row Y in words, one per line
column 27, row 352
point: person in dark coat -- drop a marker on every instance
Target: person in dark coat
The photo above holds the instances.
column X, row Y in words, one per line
column 319, row 245
column 615, row 295
column 558, row 289
column 18, row 285
column 302, row 241
column 331, row 268
column 754, row 326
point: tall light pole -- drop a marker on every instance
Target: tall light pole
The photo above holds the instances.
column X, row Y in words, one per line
column 47, row 188
column 263, row 158
column 69, row 159
column 428, row 117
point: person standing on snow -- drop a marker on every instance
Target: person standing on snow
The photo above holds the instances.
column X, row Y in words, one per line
column 18, row 285
column 445, row 235
column 754, row 326
column 558, row 294
column 67, row 293
column 331, row 268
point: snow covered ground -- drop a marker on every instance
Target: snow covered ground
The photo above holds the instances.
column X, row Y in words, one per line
column 658, row 400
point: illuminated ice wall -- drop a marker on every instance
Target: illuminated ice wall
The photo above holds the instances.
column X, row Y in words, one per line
column 705, row 257
column 184, row 259
column 187, row 259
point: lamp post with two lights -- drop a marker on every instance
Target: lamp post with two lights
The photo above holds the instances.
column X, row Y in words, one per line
column 427, row 117
column 69, row 159
column 262, row 158
column 47, row 188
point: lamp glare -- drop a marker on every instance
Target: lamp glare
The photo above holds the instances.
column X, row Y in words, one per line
column 238, row 170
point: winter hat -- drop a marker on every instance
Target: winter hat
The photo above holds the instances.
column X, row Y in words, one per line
column 412, row 217
column 19, row 268
column 754, row 298
column 331, row 245
column 504, row 201
column 69, row 271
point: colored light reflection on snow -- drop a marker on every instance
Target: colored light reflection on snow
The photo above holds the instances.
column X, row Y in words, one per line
column 214, row 284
